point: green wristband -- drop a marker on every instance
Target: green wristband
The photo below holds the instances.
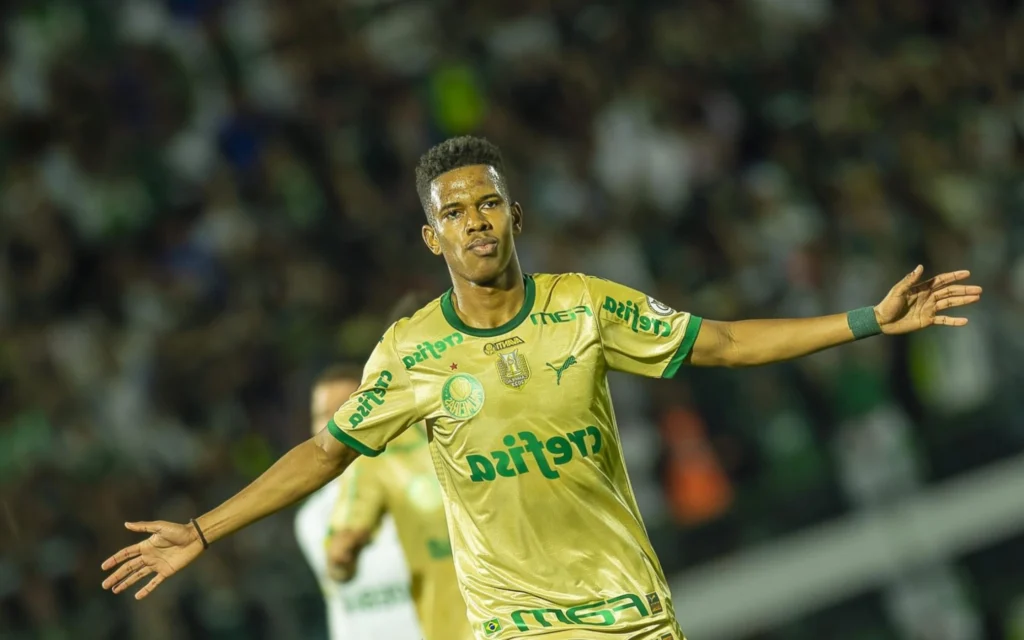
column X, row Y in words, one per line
column 863, row 323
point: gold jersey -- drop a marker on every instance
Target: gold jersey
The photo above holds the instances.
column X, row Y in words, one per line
column 402, row 482
column 547, row 538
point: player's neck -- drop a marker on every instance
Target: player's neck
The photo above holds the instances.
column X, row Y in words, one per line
column 490, row 305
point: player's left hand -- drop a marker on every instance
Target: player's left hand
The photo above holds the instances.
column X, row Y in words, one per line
column 168, row 550
column 912, row 305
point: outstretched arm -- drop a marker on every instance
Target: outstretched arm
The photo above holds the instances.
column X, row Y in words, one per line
column 382, row 407
column 298, row 473
column 172, row 546
column 910, row 305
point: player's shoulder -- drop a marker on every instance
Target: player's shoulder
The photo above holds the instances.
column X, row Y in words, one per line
column 560, row 282
column 561, row 289
column 425, row 323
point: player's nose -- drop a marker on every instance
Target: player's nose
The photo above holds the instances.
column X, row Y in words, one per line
column 477, row 221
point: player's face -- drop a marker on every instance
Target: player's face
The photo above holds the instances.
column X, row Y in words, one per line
column 327, row 397
column 474, row 221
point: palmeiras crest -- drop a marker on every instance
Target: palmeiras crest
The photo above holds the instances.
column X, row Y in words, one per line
column 513, row 369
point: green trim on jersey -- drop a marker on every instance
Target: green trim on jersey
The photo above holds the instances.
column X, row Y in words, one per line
column 692, row 329
column 448, row 309
column 351, row 442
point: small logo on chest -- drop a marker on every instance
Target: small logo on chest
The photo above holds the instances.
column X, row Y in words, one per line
column 559, row 370
column 462, row 396
column 492, row 348
column 513, row 369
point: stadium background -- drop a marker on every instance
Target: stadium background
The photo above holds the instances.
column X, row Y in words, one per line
column 204, row 202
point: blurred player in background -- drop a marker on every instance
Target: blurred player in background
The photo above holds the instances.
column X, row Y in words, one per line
column 401, row 482
column 368, row 600
column 509, row 371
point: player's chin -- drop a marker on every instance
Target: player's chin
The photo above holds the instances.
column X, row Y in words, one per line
column 483, row 270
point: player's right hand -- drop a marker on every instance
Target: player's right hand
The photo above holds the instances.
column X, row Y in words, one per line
column 169, row 549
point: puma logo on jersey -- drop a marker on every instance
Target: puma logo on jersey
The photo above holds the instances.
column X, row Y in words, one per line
column 560, row 370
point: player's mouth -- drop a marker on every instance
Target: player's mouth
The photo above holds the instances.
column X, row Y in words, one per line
column 484, row 246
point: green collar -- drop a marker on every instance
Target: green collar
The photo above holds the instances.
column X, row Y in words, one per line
column 448, row 309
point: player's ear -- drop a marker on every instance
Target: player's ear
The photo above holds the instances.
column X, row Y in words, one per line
column 517, row 218
column 430, row 239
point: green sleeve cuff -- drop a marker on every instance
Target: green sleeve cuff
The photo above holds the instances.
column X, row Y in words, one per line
column 350, row 442
column 689, row 337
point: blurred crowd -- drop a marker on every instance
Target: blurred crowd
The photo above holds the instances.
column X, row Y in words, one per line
column 204, row 202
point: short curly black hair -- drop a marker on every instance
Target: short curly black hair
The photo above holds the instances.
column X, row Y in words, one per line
column 453, row 153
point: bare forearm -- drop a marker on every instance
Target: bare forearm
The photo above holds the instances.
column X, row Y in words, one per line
column 767, row 341
column 749, row 343
column 298, row 473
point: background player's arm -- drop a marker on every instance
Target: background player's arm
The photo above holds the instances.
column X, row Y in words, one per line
column 910, row 305
column 357, row 513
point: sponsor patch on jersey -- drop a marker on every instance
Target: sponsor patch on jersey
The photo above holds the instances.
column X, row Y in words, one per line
column 462, row 396
column 547, row 454
column 371, row 398
column 431, row 350
column 492, row 348
column 659, row 308
column 513, row 369
column 603, row 613
column 654, row 602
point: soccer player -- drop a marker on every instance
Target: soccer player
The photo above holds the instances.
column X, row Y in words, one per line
column 509, row 372
column 370, row 600
column 401, row 483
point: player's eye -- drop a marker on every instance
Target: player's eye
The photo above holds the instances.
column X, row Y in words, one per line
column 490, row 204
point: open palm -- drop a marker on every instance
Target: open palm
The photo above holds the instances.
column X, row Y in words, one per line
column 912, row 304
column 169, row 549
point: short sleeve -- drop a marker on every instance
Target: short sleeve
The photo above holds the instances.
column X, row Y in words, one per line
column 361, row 499
column 639, row 334
column 382, row 408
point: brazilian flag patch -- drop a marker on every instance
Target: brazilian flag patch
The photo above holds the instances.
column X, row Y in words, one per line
column 492, row 626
